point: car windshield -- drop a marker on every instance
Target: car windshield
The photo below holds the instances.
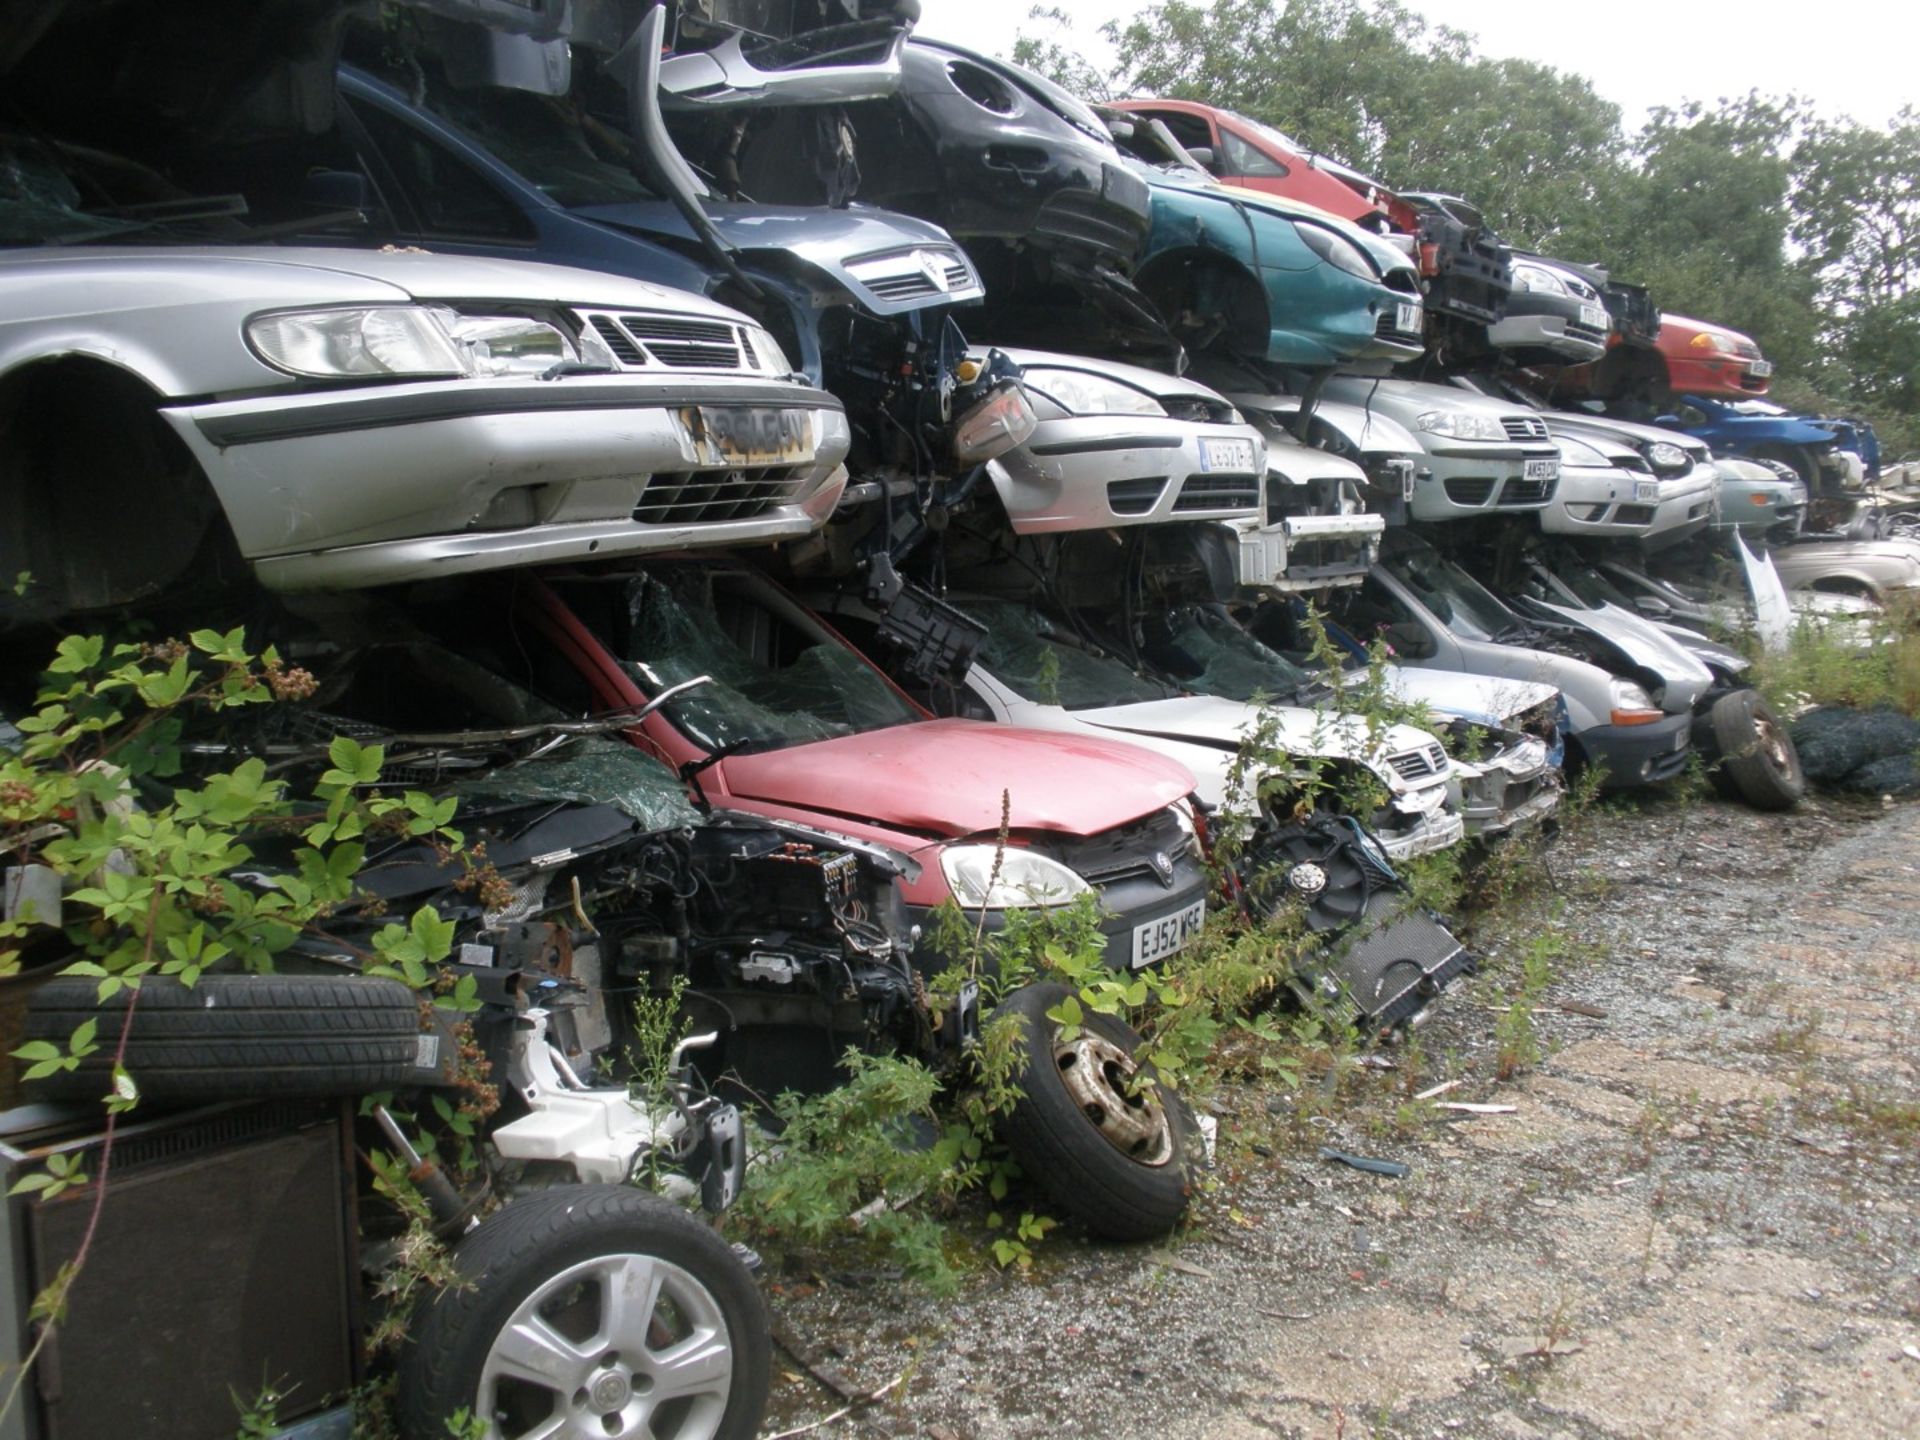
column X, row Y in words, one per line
column 42, row 202
column 1210, row 653
column 1272, row 136
column 572, row 153
column 777, row 679
column 1463, row 604
column 1049, row 665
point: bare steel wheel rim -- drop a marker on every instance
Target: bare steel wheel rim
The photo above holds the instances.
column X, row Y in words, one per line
column 1100, row 1078
column 619, row 1345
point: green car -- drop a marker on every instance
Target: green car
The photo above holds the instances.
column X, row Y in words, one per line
column 1265, row 278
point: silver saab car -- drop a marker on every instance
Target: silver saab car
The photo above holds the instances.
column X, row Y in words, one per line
column 346, row 418
column 1118, row 445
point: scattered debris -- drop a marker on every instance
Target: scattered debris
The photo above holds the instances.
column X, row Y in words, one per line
column 1391, row 1168
column 1469, row 1108
column 1375, row 1062
column 844, row 1411
column 1305, row 1315
column 1440, row 1089
column 1580, row 1007
column 1185, row 1267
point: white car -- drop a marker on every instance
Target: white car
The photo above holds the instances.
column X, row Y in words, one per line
column 1033, row 670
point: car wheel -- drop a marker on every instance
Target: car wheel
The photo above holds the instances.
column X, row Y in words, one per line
column 1756, row 752
column 235, row 1037
column 591, row 1311
column 1093, row 1129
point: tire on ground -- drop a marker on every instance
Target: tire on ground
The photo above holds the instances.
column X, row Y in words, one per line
column 235, row 1037
column 1756, row 752
column 1061, row 1146
column 562, row 1242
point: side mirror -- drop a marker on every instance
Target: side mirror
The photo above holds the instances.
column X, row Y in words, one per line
column 1203, row 156
column 332, row 190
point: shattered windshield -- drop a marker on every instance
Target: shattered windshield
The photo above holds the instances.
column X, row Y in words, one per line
column 1228, row 661
column 774, row 684
column 1463, row 604
column 41, row 205
column 1048, row 665
column 594, row 771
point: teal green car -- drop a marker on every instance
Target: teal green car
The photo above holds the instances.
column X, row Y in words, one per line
column 1265, row 278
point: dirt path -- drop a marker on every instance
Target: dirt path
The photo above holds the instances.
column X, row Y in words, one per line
column 1702, row 1219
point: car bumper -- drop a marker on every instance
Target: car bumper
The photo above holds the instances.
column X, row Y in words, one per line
column 1686, row 506
column 1096, row 472
column 1558, row 325
column 1308, row 552
column 1464, row 481
column 1721, row 376
column 1758, row 504
column 1602, row 501
column 371, row 487
column 1636, row 755
column 1418, row 823
column 1512, row 789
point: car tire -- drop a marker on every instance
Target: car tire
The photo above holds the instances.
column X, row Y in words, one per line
column 1116, row 1161
column 1756, row 752
column 234, row 1037
column 531, row 1326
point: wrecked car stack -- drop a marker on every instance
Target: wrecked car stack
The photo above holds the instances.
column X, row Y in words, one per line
column 802, row 501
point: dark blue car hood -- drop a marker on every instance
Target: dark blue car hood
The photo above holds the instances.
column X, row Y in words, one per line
column 824, row 239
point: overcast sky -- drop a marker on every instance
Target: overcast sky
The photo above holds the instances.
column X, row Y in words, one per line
column 1850, row 57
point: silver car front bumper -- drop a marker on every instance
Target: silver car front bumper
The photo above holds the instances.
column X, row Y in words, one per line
column 1096, row 472
column 1516, row 786
column 364, row 486
column 1466, row 480
column 1308, row 552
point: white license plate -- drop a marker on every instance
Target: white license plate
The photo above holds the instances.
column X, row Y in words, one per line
column 1543, row 470
column 1760, row 369
column 1594, row 317
column 1646, row 490
column 1408, row 319
column 1227, row 455
column 1158, row 939
column 736, row 435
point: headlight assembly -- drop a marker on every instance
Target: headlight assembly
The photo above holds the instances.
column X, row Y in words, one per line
column 1578, row 452
column 1663, row 456
column 1713, row 340
column 1461, row 425
column 1336, row 250
column 1080, row 392
column 1025, row 878
column 1631, row 704
column 1538, row 277
column 386, row 340
column 767, row 354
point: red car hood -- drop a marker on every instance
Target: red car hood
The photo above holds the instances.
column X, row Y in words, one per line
column 945, row 777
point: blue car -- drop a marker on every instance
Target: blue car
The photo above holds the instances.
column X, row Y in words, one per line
column 1827, row 455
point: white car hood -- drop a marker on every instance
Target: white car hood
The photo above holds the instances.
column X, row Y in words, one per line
column 1483, row 699
column 1213, row 721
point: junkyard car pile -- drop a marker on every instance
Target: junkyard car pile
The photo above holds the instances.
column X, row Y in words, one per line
column 634, row 416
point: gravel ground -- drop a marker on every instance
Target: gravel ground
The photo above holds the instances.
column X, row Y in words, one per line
column 1700, row 1219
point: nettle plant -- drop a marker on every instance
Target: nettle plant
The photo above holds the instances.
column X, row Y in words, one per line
column 125, row 867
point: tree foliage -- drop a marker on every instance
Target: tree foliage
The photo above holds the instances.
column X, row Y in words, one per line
column 1751, row 211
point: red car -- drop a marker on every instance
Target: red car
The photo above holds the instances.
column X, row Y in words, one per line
column 1464, row 268
column 1687, row 357
column 790, row 721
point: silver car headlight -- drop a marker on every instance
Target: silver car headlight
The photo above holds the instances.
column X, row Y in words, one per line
column 1025, row 878
column 349, row 344
column 510, row 344
column 1461, row 425
column 1080, row 392
column 767, row 354
column 1663, row 456
column 1578, row 452
column 1538, row 277
column 1337, row 251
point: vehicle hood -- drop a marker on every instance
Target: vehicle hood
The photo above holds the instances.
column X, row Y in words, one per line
column 1156, row 383
column 1222, row 724
column 1369, row 430
column 1627, row 432
column 946, row 777
column 1731, row 429
column 285, row 275
column 1404, row 400
column 1646, row 646
column 828, row 240
column 1483, row 699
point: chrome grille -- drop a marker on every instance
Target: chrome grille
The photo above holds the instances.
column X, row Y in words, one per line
column 1419, row 764
column 921, row 273
column 692, row 496
column 1524, row 427
column 1636, row 463
column 673, row 342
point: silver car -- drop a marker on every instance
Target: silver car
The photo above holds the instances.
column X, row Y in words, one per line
column 1483, row 456
column 1118, row 445
column 343, row 418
